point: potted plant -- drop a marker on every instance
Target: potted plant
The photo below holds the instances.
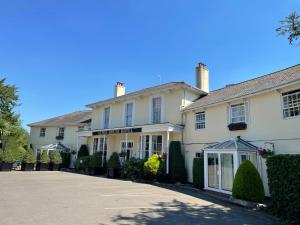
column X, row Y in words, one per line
column 43, row 163
column 28, row 161
column 237, row 126
column 113, row 166
column 55, row 161
column 6, row 160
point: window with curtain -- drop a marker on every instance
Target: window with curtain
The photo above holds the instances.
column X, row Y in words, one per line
column 238, row 113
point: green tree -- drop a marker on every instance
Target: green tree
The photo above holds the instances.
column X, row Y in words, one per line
column 290, row 26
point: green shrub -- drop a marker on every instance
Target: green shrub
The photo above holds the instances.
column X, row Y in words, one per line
column 198, row 172
column 133, row 169
column 247, row 184
column 114, row 161
column 7, row 156
column 66, row 159
column 44, row 157
column 83, row 151
column 1, row 155
column 95, row 160
column 82, row 164
column 29, row 157
column 176, row 163
column 56, row 158
column 154, row 167
column 284, row 182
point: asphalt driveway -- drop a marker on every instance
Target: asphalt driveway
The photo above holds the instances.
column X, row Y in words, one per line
column 57, row 198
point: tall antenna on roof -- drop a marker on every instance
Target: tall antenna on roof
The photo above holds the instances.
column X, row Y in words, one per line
column 159, row 78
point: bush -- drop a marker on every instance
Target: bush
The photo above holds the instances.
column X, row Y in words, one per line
column 154, row 167
column 95, row 160
column 56, row 158
column 284, row 182
column 133, row 169
column 6, row 156
column 82, row 164
column 114, row 161
column 44, row 157
column 29, row 157
column 83, row 151
column 198, row 172
column 176, row 163
column 66, row 159
column 247, row 184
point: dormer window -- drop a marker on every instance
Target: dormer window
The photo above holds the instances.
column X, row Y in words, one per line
column 291, row 104
column 156, row 110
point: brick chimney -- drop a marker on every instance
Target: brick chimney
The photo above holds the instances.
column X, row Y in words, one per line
column 119, row 89
column 202, row 77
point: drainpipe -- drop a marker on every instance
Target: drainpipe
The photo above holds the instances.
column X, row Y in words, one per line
column 103, row 149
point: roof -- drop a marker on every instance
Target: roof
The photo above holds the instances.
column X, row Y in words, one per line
column 150, row 90
column 257, row 85
column 71, row 119
column 237, row 144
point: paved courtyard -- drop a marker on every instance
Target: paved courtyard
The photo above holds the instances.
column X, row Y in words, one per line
column 57, row 198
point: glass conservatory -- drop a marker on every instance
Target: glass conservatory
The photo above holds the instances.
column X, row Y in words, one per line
column 222, row 160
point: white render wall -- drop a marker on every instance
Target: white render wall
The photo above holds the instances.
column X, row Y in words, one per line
column 266, row 124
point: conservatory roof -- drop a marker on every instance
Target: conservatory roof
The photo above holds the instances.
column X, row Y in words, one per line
column 235, row 144
column 57, row 146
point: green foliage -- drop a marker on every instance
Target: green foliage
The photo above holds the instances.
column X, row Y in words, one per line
column 114, row 161
column 176, row 163
column 291, row 26
column 284, row 182
column 95, row 160
column 55, row 158
column 29, row 157
column 82, row 164
column 66, row 159
column 154, row 167
column 83, row 151
column 6, row 156
column 133, row 169
column 247, row 183
column 44, row 157
column 198, row 172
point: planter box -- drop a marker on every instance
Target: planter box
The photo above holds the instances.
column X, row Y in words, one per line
column 113, row 173
column 27, row 166
column 54, row 167
column 237, row 126
column 5, row 166
column 42, row 167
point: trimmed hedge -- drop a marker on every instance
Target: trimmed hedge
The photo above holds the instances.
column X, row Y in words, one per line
column 55, row 158
column 284, row 183
column 114, row 161
column 198, row 172
column 176, row 163
column 247, row 184
column 133, row 169
column 66, row 159
column 83, row 151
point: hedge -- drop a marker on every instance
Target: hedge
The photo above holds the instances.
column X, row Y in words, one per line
column 176, row 163
column 198, row 172
column 83, row 151
column 284, row 183
column 247, row 184
column 66, row 159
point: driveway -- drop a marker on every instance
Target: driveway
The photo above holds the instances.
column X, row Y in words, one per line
column 58, row 198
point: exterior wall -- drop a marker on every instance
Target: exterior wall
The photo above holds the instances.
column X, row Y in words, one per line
column 70, row 137
column 172, row 101
column 266, row 124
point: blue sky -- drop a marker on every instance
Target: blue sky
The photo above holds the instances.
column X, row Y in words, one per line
column 63, row 54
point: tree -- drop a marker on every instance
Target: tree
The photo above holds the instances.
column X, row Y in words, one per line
column 290, row 26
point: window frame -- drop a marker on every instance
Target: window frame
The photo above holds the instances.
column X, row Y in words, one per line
column 61, row 132
column 153, row 113
column 283, row 108
column 155, row 144
column 106, row 126
column 200, row 121
column 126, row 116
column 239, row 116
column 44, row 133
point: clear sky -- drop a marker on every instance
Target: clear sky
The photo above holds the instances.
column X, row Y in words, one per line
column 63, row 54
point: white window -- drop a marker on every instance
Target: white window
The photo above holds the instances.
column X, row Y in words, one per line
column 61, row 132
column 200, row 120
column 238, row 113
column 128, row 114
column 103, row 146
column 291, row 104
column 95, row 145
column 156, row 144
column 42, row 132
column 156, row 110
column 106, row 117
column 145, row 146
column 127, row 149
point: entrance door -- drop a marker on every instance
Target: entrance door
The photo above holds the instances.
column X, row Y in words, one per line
column 213, row 170
column 227, row 171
